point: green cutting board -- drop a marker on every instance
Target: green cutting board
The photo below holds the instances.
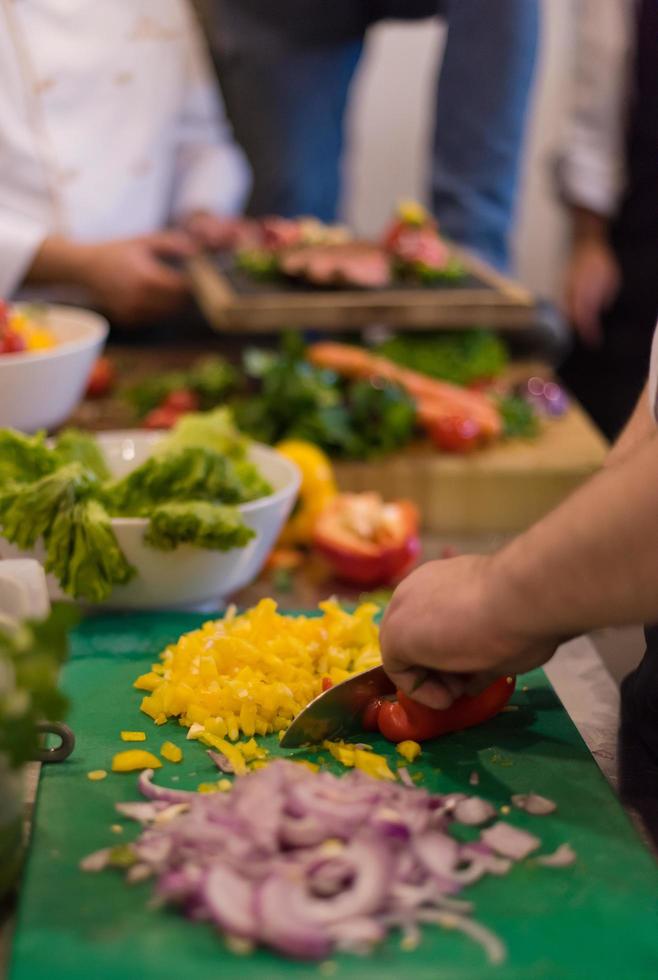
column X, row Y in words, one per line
column 597, row 919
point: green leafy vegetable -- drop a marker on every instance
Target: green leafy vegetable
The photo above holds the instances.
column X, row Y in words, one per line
column 212, row 379
column 199, row 523
column 297, row 400
column 30, row 658
column 74, row 446
column 215, row 431
column 28, row 510
column 24, row 457
column 258, row 263
column 189, row 473
column 83, row 553
column 520, row 420
column 460, row 357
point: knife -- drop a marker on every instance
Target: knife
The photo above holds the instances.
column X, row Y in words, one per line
column 337, row 712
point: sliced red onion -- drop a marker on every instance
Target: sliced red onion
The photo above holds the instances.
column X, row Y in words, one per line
column 473, row 811
column 152, row 792
column 221, row 761
column 138, row 872
column 405, row 777
column 509, row 841
column 97, row 861
column 357, row 935
column 141, row 812
column 231, row 900
column 491, row 944
column 474, row 779
column 279, row 924
column 538, row 806
column 560, row 858
column 437, row 852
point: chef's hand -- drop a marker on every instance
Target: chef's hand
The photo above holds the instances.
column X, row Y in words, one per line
column 592, row 280
column 210, row 230
column 450, row 618
column 130, row 278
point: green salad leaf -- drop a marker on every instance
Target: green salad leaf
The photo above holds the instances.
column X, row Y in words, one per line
column 82, row 552
column 197, row 522
column 73, row 446
column 215, row 431
column 461, row 357
column 212, row 379
column 28, row 510
column 24, row 457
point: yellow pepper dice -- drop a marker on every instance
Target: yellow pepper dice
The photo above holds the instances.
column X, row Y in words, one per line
column 363, row 759
column 318, row 488
column 409, row 750
column 249, row 675
column 133, row 759
column 171, row 752
column 96, row 775
column 133, row 736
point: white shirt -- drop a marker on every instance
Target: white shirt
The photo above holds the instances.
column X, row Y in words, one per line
column 591, row 163
column 111, row 124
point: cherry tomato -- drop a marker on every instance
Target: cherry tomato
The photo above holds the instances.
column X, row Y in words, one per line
column 4, row 314
column 161, row 418
column 407, row 719
column 370, row 717
column 102, row 378
column 182, row 400
column 12, row 343
column 454, row 434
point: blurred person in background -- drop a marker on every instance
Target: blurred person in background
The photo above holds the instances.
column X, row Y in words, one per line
column 286, row 68
column 609, row 178
column 113, row 141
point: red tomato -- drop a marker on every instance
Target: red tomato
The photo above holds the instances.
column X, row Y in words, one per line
column 370, row 717
column 407, row 719
column 182, row 400
column 161, row 418
column 4, row 314
column 12, row 343
column 102, row 378
column 454, row 434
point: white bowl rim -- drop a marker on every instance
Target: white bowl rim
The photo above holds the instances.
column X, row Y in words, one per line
column 99, row 329
column 248, row 508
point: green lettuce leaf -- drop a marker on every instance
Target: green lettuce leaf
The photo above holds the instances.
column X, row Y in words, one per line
column 83, row 553
column 215, row 431
column 198, row 523
column 74, row 446
column 29, row 510
column 185, row 474
column 24, row 458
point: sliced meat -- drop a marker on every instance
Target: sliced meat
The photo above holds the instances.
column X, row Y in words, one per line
column 360, row 264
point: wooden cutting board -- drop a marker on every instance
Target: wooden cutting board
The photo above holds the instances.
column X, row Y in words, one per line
column 502, row 489
column 598, row 918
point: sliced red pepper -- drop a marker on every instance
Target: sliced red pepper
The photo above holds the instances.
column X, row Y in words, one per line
column 407, row 719
column 370, row 718
column 362, row 544
column 327, row 684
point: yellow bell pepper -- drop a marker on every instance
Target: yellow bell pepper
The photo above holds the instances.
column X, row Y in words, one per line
column 96, row 774
column 171, row 752
column 134, row 759
column 318, row 488
column 133, row 736
column 408, row 750
column 364, row 759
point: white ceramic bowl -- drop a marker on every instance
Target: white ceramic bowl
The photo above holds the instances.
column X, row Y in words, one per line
column 189, row 577
column 39, row 390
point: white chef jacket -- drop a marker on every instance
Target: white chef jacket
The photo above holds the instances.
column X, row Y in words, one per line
column 111, row 124
column 591, row 161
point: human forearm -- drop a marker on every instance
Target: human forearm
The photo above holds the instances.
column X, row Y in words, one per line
column 638, row 429
column 590, row 563
column 60, row 260
column 587, row 225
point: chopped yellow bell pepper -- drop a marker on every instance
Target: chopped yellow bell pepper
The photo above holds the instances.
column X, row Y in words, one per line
column 133, row 736
column 250, row 674
column 363, row 759
column 133, row 759
column 409, row 750
column 96, row 774
column 171, row 752
column 232, row 752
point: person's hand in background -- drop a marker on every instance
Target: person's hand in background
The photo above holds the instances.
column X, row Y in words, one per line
column 133, row 280
column 209, row 230
column 455, row 619
column 592, row 276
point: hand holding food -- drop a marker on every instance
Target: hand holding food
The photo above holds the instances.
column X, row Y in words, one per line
column 459, row 620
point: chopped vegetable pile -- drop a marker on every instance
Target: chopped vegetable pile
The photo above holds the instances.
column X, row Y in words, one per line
column 21, row 331
column 251, row 674
column 310, row 864
column 62, row 495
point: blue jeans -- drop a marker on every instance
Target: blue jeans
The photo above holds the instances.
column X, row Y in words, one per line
column 287, row 100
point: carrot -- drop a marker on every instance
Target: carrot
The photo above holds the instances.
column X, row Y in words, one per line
column 435, row 399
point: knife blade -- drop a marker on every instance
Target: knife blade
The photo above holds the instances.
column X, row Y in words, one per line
column 337, row 712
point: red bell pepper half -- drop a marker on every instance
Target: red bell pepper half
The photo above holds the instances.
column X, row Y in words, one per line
column 404, row 718
column 368, row 542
